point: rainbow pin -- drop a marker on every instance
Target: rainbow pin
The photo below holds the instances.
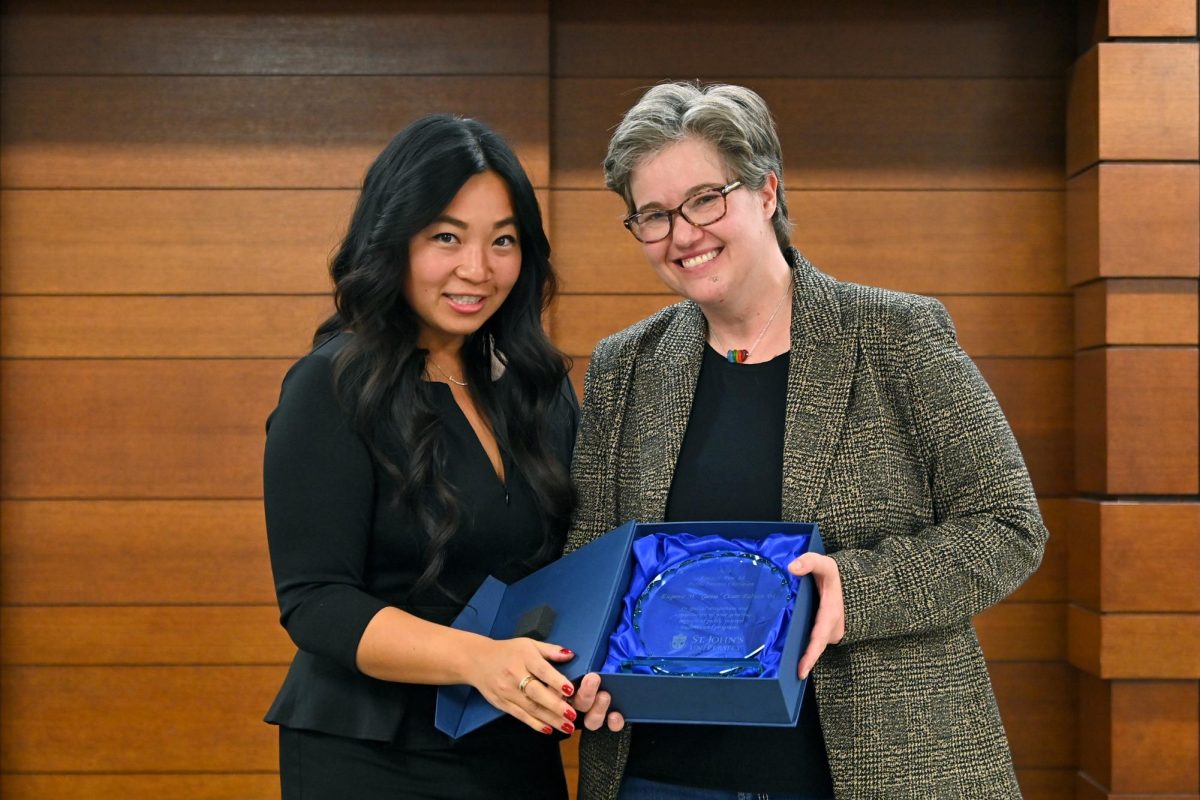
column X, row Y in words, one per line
column 737, row 356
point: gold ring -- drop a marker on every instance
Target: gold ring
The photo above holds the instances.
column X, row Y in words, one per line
column 524, row 682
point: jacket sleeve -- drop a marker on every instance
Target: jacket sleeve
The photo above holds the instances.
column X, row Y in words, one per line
column 319, row 494
column 988, row 533
column 570, row 411
column 594, row 464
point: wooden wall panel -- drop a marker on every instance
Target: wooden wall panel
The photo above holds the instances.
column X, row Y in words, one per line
column 1140, row 736
column 138, row 719
column 1099, row 20
column 1161, row 646
column 116, row 429
column 939, row 242
column 160, row 326
column 1012, row 631
column 247, row 131
column 1087, row 789
column 581, row 320
column 1035, row 395
column 1038, row 706
column 1136, row 422
column 926, row 242
column 1118, row 551
column 200, row 163
column 1029, row 326
column 1151, row 17
column 1133, row 220
column 165, row 241
column 134, row 635
column 1131, row 101
column 158, row 104
column 170, row 241
column 867, row 134
column 570, row 756
column 225, row 786
column 859, row 38
column 1137, row 311
column 1046, row 784
column 114, row 552
column 272, row 37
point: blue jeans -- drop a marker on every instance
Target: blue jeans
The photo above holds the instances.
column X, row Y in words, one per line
column 641, row 789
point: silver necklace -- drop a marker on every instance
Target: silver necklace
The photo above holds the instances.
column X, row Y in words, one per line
column 444, row 374
column 740, row 356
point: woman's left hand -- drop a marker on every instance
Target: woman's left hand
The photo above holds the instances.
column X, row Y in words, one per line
column 830, row 624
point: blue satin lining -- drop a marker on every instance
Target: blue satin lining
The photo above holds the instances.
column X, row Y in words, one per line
column 658, row 552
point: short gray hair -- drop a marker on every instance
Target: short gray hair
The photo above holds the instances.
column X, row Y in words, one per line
column 733, row 119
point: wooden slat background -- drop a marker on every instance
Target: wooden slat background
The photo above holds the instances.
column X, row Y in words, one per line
column 173, row 182
column 1137, row 415
column 1151, row 105
column 1156, row 755
column 1143, row 223
column 240, row 131
column 169, row 241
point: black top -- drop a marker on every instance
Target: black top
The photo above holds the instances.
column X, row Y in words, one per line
column 342, row 549
column 731, row 468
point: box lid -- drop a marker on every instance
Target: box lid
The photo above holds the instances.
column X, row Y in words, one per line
column 582, row 588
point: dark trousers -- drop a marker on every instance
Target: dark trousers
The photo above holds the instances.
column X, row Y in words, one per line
column 318, row 766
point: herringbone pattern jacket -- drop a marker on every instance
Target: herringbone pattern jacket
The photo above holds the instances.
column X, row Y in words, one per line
column 895, row 444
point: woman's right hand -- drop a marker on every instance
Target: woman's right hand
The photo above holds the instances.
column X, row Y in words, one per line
column 499, row 670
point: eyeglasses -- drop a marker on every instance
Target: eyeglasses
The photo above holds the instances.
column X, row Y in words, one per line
column 702, row 208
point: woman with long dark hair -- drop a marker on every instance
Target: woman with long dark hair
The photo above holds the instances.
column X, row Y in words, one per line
column 423, row 444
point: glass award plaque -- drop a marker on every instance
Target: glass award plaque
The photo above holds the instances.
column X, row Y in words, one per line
column 711, row 614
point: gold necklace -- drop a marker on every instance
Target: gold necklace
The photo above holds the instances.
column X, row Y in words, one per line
column 740, row 356
column 445, row 374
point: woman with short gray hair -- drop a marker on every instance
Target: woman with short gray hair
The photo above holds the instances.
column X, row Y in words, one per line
column 733, row 118
column 775, row 392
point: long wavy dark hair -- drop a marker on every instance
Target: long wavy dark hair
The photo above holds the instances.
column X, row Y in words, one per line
column 379, row 370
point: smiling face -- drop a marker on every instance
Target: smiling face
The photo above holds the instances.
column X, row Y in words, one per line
column 719, row 263
column 463, row 265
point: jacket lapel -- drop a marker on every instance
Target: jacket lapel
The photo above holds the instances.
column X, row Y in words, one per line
column 670, row 383
column 820, row 372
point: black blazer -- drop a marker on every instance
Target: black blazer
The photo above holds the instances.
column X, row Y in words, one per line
column 341, row 549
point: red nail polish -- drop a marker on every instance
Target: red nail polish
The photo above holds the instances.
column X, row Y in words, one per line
column 569, row 714
column 547, row 730
column 567, row 652
column 568, row 727
column 568, row 689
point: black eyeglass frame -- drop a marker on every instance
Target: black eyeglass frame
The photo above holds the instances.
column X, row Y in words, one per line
column 678, row 211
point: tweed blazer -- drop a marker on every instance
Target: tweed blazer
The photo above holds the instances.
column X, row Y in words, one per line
column 896, row 446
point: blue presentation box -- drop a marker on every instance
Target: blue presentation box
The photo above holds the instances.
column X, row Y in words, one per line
column 586, row 589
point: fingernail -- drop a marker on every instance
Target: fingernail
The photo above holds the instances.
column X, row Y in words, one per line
column 570, row 714
column 568, row 727
column 567, row 652
column 568, row 689
column 547, row 730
